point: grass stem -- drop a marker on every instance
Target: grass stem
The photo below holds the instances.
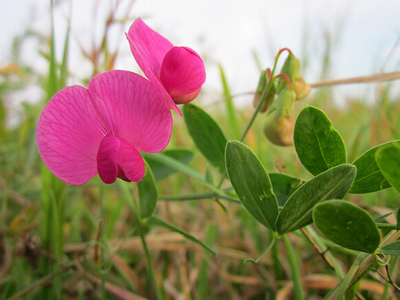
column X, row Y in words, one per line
column 294, row 267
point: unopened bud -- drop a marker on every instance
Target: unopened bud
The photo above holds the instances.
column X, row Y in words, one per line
column 279, row 131
column 262, row 84
column 291, row 68
column 301, row 88
column 284, row 103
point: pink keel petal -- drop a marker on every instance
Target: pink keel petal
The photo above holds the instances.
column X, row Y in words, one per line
column 107, row 159
column 183, row 73
column 131, row 162
column 149, row 48
column 69, row 135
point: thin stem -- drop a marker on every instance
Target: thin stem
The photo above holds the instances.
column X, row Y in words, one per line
column 198, row 197
column 286, row 78
column 387, row 226
column 101, row 231
column 136, row 213
column 42, row 282
column 362, row 79
column 264, row 95
column 294, row 267
column 150, row 262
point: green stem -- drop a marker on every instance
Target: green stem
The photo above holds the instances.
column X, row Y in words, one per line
column 198, row 197
column 294, row 267
column 264, row 95
column 102, row 273
column 387, row 226
column 150, row 262
column 136, row 213
column 263, row 98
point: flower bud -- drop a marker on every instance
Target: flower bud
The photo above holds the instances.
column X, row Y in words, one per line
column 284, row 103
column 262, row 84
column 291, row 68
column 301, row 88
column 279, row 131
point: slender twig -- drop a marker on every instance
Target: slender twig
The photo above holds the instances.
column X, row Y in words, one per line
column 362, row 79
column 317, row 247
column 150, row 263
column 390, row 279
column 43, row 281
column 14, row 195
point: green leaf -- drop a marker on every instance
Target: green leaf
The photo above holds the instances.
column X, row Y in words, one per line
column 230, row 108
column 392, row 248
column 347, row 225
column 158, row 222
column 318, row 145
column 398, row 218
column 206, row 134
column 147, row 193
column 251, row 183
column 369, row 177
column 181, row 167
column 283, row 186
column 331, row 184
column 162, row 171
column 52, row 81
column 388, row 160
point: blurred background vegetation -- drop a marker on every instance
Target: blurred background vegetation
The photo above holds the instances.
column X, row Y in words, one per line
column 45, row 265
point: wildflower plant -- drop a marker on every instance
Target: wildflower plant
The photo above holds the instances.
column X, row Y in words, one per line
column 120, row 125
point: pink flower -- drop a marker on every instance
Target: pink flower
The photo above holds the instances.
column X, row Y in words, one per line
column 82, row 132
column 178, row 72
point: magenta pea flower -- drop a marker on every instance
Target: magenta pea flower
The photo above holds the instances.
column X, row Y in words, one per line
column 178, row 72
column 100, row 130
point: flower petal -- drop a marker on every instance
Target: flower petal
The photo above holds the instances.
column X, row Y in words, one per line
column 69, row 134
column 107, row 159
column 183, row 73
column 132, row 109
column 149, row 48
column 131, row 162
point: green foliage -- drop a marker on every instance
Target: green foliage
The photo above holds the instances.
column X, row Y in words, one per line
column 391, row 249
column 283, row 186
column 387, row 158
column 318, row 145
column 230, row 108
column 369, row 177
column 162, row 171
column 206, row 134
column 35, row 205
column 347, row 225
column 331, row 184
column 251, row 183
column 147, row 193
column 158, row 222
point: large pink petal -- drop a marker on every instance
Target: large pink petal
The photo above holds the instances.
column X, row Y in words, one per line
column 131, row 162
column 107, row 159
column 183, row 73
column 149, row 48
column 132, row 109
column 69, row 134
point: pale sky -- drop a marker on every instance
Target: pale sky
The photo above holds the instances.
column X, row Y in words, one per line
column 229, row 30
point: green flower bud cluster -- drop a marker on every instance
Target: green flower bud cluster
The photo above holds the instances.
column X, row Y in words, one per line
column 287, row 87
